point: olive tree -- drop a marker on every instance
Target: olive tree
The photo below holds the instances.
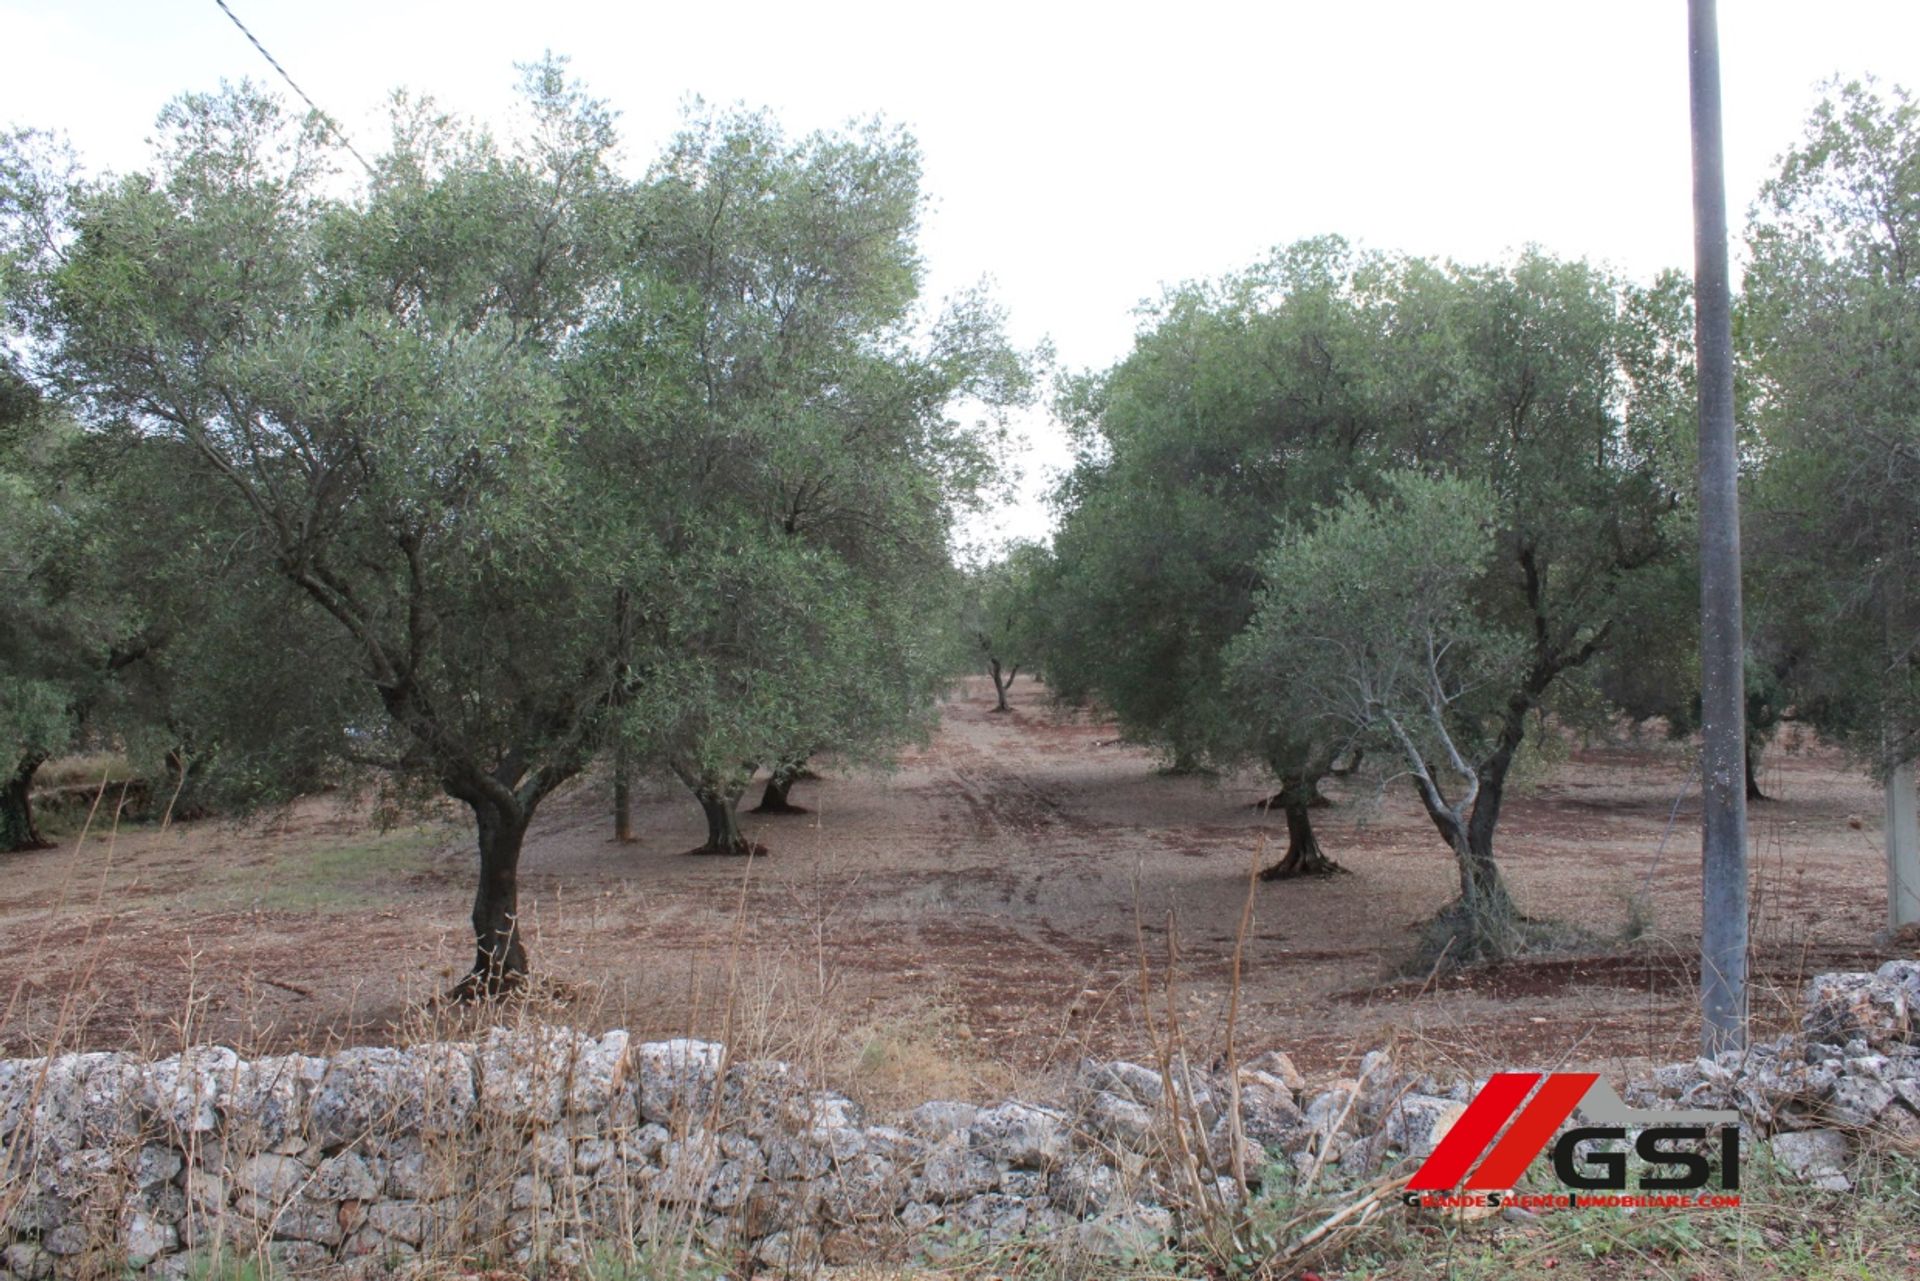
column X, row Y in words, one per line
column 1000, row 606
column 1368, row 628
column 40, row 658
column 1243, row 401
column 1564, row 393
column 810, row 444
column 368, row 388
column 1552, row 397
column 1833, row 307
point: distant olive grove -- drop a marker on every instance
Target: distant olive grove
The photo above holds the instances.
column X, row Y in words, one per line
column 500, row 462
column 1351, row 506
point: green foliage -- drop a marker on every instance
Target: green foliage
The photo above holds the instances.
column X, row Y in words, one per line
column 767, row 365
column 1834, row 320
column 1242, row 401
column 357, row 406
column 1557, row 394
column 1367, row 622
column 464, row 473
column 60, row 636
column 1003, row 608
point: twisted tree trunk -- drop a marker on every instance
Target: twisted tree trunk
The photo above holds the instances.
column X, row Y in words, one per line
column 776, row 798
column 500, row 958
column 721, row 808
column 1304, row 856
column 17, row 830
column 719, row 804
column 1001, row 686
column 622, row 795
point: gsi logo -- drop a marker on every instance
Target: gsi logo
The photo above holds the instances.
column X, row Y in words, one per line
column 1669, row 1141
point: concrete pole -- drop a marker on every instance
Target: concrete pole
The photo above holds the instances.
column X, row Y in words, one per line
column 1903, row 845
column 1723, row 778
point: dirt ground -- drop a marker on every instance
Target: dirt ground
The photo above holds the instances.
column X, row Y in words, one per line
column 958, row 925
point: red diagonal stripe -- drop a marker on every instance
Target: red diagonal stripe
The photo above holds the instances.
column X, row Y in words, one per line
column 1554, row 1103
column 1472, row 1132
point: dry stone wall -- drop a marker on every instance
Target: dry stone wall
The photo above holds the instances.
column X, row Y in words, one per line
column 543, row 1143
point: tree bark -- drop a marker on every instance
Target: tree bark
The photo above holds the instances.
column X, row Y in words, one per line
column 1481, row 924
column 622, row 795
column 622, row 759
column 1000, row 687
column 500, row 958
column 17, row 830
column 1753, row 777
column 774, row 800
column 720, row 807
column 1304, row 856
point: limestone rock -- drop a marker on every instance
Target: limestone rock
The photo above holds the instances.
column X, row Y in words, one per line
column 156, row 1165
column 1415, row 1123
column 955, row 1171
column 1141, row 1085
column 1119, row 1121
column 1844, row 1007
column 677, row 1079
column 272, row 1177
column 1858, row 1101
column 144, row 1238
column 265, row 1101
column 183, row 1092
column 938, row 1119
column 1021, row 1135
column 1084, row 1186
column 526, row 1073
column 996, row 1216
column 1268, row 1113
column 27, row 1261
column 345, row 1176
column 1275, row 1063
column 1819, row 1157
column 428, row 1089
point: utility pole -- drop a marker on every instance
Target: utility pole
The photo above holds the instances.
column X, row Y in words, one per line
column 1902, row 830
column 1723, row 833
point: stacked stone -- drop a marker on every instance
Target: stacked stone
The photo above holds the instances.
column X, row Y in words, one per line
column 1848, row 1079
column 532, row 1143
column 543, row 1142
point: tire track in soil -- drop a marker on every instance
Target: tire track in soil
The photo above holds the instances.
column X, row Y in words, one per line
column 1015, row 965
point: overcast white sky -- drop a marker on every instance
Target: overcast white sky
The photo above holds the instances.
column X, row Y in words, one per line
column 1079, row 155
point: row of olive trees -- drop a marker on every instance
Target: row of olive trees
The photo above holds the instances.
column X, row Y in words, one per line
column 1833, row 308
column 1351, row 506
column 500, row 459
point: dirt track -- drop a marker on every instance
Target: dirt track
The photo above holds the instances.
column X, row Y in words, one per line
column 972, row 913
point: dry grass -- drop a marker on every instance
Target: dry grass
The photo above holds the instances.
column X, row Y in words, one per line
column 786, row 998
column 85, row 769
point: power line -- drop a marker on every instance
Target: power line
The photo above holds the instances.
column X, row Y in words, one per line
column 275, row 64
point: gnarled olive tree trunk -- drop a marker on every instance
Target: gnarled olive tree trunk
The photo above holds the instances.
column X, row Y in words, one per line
column 622, row 795
column 17, row 830
column 776, row 799
column 719, row 800
column 502, row 813
column 500, row 959
column 1480, row 925
column 1001, row 683
column 1304, row 857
